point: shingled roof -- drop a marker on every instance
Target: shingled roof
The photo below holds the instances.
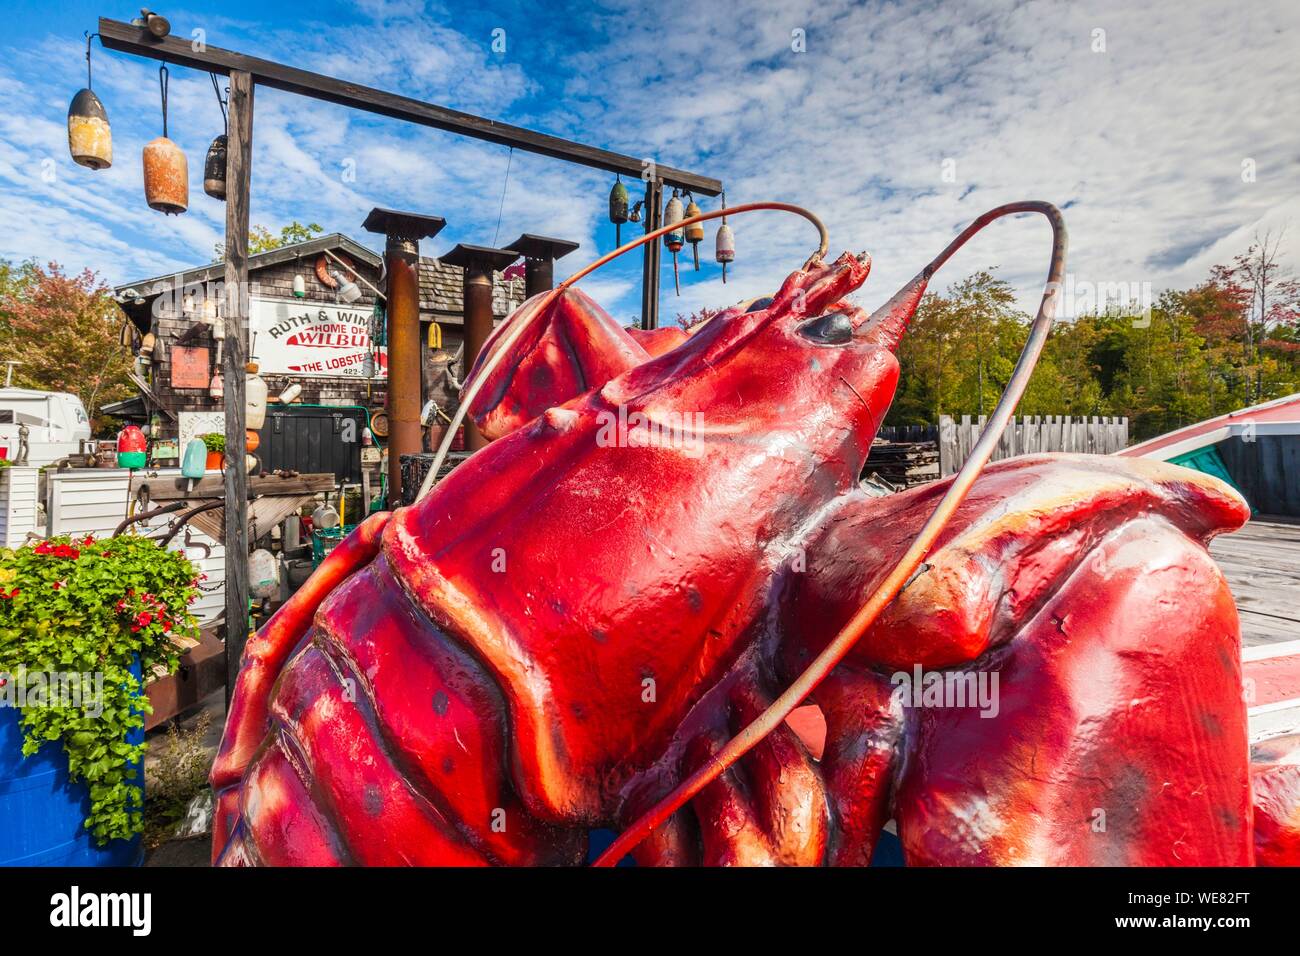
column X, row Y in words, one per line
column 442, row 291
column 441, row 284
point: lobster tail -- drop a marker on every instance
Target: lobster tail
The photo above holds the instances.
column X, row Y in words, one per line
column 264, row 657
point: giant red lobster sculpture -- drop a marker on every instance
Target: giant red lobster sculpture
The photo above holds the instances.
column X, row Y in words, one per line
column 587, row 625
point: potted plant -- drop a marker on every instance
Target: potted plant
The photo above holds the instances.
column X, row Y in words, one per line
column 215, row 443
column 83, row 623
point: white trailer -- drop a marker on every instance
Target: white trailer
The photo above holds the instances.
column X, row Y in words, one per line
column 57, row 424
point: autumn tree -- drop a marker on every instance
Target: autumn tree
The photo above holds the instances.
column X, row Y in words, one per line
column 64, row 333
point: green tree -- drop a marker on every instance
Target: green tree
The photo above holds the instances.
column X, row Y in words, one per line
column 261, row 239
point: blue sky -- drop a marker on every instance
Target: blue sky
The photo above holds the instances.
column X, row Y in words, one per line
column 898, row 123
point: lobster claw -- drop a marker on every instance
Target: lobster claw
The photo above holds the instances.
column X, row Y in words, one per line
column 576, row 345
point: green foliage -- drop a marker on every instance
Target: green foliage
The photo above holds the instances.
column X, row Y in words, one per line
column 261, row 239
column 94, row 608
column 214, row 441
column 1193, row 355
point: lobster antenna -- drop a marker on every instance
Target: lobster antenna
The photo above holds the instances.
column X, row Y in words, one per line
column 475, row 382
column 903, row 572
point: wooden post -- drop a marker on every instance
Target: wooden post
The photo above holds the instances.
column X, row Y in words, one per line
column 652, row 216
column 238, row 170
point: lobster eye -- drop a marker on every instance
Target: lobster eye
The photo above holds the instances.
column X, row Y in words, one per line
column 759, row 304
column 833, row 328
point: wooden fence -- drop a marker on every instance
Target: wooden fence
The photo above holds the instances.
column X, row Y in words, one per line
column 1031, row 434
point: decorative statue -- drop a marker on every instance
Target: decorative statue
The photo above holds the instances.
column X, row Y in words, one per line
column 586, row 625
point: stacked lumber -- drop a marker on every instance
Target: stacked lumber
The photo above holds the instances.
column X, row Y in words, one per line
column 903, row 463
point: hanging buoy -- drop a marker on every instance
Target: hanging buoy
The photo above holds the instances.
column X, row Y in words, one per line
column 725, row 244
column 214, row 169
column 255, row 392
column 166, row 171
column 166, row 177
column 194, row 463
column 131, row 445
column 675, row 239
column 90, row 138
column 214, row 166
column 618, row 209
column 216, row 388
column 694, row 232
column 299, row 286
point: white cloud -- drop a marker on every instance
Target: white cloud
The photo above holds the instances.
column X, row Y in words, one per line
column 1145, row 141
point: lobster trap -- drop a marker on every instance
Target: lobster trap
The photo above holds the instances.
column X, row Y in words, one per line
column 325, row 540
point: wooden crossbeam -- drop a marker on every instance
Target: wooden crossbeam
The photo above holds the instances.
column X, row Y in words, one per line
column 126, row 38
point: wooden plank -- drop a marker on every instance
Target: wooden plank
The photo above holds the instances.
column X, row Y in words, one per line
column 126, row 38
column 263, row 515
column 238, row 175
column 1029, row 435
column 1258, row 630
column 173, row 489
column 1262, row 564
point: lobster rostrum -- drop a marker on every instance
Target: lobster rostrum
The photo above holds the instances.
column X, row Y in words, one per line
column 600, row 620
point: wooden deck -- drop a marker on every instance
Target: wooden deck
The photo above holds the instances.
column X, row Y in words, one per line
column 1262, row 564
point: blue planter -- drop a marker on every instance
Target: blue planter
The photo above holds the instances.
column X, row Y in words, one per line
column 41, row 811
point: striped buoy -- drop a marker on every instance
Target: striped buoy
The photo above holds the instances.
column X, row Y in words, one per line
column 676, row 239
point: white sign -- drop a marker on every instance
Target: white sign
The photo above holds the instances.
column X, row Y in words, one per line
column 196, row 424
column 295, row 337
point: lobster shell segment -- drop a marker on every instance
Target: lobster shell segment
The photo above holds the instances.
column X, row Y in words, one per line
column 606, row 561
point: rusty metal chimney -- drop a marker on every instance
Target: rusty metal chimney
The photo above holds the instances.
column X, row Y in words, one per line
column 404, row 230
column 540, row 253
column 479, row 263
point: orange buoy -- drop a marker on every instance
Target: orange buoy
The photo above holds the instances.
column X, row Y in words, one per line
column 166, row 171
column 695, row 231
column 166, row 177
